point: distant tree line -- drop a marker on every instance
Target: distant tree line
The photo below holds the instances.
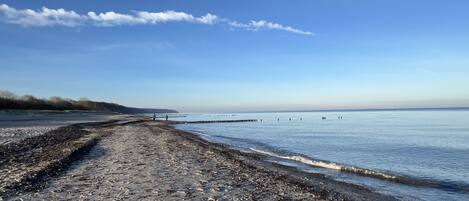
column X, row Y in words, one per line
column 10, row 101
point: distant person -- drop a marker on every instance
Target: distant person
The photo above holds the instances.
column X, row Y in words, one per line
column 154, row 116
column 166, row 117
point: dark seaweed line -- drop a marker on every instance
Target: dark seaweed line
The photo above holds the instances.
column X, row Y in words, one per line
column 34, row 177
column 254, row 160
column 81, row 146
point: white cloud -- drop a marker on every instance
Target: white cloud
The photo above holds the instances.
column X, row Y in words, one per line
column 170, row 16
column 43, row 17
column 208, row 19
column 265, row 25
column 69, row 18
column 113, row 19
column 167, row 16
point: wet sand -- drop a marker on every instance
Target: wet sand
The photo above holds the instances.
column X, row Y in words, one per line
column 145, row 160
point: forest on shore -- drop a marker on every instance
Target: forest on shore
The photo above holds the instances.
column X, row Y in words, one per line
column 10, row 101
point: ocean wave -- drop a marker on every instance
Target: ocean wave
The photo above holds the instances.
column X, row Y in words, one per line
column 408, row 180
column 262, row 148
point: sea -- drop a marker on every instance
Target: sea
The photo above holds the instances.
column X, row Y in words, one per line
column 411, row 154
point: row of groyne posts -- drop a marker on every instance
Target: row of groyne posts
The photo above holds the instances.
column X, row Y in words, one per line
column 238, row 120
column 232, row 121
column 301, row 118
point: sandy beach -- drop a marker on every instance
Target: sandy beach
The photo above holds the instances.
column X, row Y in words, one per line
column 18, row 125
column 133, row 158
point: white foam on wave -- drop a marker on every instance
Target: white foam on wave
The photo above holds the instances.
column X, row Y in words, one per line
column 200, row 133
column 328, row 165
column 368, row 172
column 302, row 160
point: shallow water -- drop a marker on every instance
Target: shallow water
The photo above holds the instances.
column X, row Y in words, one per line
column 411, row 154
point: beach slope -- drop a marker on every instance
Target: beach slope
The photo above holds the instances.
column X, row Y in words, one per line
column 146, row 160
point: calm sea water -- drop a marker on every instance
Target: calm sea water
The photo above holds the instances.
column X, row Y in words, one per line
column 410, row 154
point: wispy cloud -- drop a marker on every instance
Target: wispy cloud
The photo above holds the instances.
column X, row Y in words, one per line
column 43, row 17
column 265, row 25
column 143, row 17
column 61, row 17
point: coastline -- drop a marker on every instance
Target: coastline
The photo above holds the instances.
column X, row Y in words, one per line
column 152, row 160
column 314, row 183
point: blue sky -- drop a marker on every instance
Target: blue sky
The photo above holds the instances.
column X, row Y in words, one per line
column 205, row 56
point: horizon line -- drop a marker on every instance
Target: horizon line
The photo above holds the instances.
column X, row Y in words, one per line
column 358, row 110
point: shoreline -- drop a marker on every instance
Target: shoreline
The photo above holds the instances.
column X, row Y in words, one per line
column 317, row 183
column 177, row 164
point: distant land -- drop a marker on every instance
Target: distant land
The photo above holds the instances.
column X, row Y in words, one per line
column 9, row 101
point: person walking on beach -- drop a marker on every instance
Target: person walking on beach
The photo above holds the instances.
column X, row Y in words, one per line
column 166, row 117
column 154, row 116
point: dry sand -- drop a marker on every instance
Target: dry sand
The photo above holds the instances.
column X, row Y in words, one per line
column 144, row 160
column 18, row 125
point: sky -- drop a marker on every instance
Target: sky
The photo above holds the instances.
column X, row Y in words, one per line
column 232, row 56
